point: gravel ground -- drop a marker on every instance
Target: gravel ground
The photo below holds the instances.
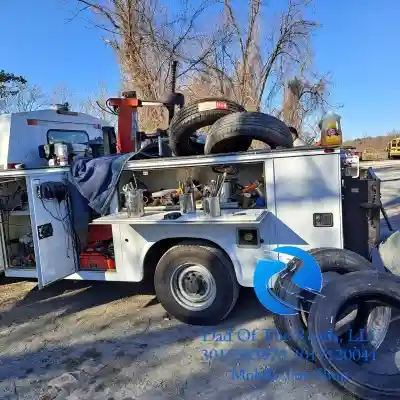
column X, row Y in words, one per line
column 112, row 341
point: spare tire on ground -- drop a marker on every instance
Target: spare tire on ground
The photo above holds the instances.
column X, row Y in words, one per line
column 359, row 371
column 235, row 132
column 293, row 328
column 194, row 116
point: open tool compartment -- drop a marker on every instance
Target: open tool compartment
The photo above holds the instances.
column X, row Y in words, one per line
column 244, row 185
column 16, row 241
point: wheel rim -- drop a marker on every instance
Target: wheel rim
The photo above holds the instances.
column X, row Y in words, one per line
column 377, row 323
column 193, row 287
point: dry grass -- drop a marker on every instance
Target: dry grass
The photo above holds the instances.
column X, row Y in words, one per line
column 373, row 148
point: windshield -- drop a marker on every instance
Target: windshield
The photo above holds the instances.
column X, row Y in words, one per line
column 73, row 137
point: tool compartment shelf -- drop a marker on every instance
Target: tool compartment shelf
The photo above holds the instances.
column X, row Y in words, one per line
column 155, row 182
column 236, row 217
column 17, row 248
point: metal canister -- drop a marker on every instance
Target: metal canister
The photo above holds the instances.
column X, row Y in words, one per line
column 187, row 203
column 226, row 192
column 134, row 203
column 61, row 151
column 212, row 206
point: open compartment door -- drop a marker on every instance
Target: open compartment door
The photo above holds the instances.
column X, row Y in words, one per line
column 53, row 236
column 3, row 261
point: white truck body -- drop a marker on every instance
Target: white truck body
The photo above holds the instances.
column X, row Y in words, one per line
column 299, row 184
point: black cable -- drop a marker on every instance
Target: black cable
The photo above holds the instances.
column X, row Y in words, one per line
column 67, row 221
column 115, row 112
column 109, row 110
column 51, row 214
column 76, row 243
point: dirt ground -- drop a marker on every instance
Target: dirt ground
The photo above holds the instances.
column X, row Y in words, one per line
column 113, row 341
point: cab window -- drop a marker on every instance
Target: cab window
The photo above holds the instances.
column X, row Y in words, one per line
column 65, row 136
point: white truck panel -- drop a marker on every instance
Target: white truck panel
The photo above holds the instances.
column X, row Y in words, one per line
column 297, row 187
column 303, row 186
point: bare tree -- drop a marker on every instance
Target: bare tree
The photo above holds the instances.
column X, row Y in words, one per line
column 27, row 98
column 252, row 62
column 96, row 105
column 61, row 94
column 303, row 102
column 147, row 36
column 252, row 65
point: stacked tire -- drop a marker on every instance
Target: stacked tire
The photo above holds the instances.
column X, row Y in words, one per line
column 232, row 129
column 192, row 117
column 235, row 132
column 353, row 285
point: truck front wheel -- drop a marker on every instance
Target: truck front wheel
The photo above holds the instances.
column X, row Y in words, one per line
column 196, row 284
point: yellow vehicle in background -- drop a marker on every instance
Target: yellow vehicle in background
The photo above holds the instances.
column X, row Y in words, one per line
column 393, row 149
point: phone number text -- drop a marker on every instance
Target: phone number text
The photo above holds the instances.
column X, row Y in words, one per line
column 274, row 354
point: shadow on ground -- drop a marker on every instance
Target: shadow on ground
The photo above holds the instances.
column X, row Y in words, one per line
column 68, row 296
column 125, row 358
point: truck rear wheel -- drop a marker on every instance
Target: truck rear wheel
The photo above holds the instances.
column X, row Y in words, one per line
column 196, row 284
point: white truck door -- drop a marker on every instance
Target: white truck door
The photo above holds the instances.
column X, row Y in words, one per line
column 52, row 232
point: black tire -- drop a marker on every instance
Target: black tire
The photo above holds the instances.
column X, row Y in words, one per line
column 235, row 132
column 220, row 268
column 330, row 260
column 365, row 383
column 194, row 116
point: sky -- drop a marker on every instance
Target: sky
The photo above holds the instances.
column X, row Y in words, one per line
column 357, row 44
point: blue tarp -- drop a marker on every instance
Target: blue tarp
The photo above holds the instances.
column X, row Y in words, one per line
column 96, row 178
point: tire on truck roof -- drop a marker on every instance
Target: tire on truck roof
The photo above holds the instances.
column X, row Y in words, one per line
column 330, row 260
column 175, row 281
column 235, row 132
column 199, row 114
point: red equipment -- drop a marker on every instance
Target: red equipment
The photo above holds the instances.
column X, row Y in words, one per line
column 97, row 261
column 95, row 256
column 126, row 107
column 98, row 256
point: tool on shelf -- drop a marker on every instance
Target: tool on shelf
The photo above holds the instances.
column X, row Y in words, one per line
column 212, row 194
column 214, row 189
column 187, row 200
column 220, row 183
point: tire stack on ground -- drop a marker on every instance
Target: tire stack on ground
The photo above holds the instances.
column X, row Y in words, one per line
column 360, row 354
column 232, row 128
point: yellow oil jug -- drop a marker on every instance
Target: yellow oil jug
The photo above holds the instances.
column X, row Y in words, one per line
column 331, row 131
